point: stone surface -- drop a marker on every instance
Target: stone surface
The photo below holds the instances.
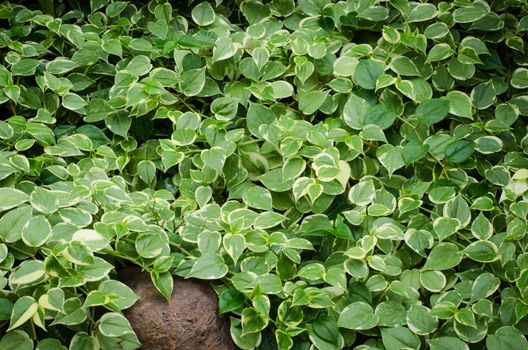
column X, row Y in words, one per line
column 189, row 322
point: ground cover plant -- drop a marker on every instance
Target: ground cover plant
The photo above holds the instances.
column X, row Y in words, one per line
column 347, row 174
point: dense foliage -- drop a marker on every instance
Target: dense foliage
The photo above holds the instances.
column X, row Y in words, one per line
column 348, row 174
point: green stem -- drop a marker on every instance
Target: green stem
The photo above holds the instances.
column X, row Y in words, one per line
column 193, row 151
column 21, row 251
column 394, row 48
column 420, row 139
column 189, row 106
column 183, row 250
column 250, row 142
column 33, row 331
column 428, row 210
column 117, row 255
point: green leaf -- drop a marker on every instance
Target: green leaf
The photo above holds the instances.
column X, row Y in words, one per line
column 358, row 315
column 234, row 245
column 119, row 123
column 95, row 134
column 113, row 324
column 53, row 300
column 97, row 271
column 73, row 102
column 469, row 14
column 459, row 151
column 374, row 13
column 160, row 28
column 483, row 95
column 113, row 47
column 224, row 49
column 246, row 341
column 457, row 208
column 25, row 67
column 36, row 232
column 506, row 338
column 146, row 170
column 488, row 144
column 230, row 300
column 390, row 157
column 192, row 81
column 446, row 227
column 150, row 244
column 258, row 115
column 355, row 111
column 164, row 283
column 362, row 193
column 24, row 309
column 519, row 78
column 258, row 197
column 11, row 198
column 203, row 14
column 399, row 338
column 252, row 321
column 139, row 65
column 283, row 339
column 13, row 92
column 466, row 317
column 432, row 111
column 209, row 242
column 115, row 8
column 324, row 333
column 459, row 70
column 391, row 35
column 367, row 72
column 443, row 257
column 224, row 108
column 439, row 52
column 481, row 227
column 433, row 281
column 124, row 296
column 208, row 267
column 420, row 320
column 391, row 314
column 460, row 104
column 140, row 44
column 16, row 340
column 403, row 65
column 93, row 239
column 78, row 253
column 293, row 168
column 310, row 102
column 27, row 273
column 484, row 285
column 414, row 151
column 214, row 158
column 422, row 12
column 419, row 240
column 406, row 88
column 203, row 195
column 380, row 116
column 373, row 133
column 82, row 341
column 447, row 343
column 344, row 66
column 482, row 251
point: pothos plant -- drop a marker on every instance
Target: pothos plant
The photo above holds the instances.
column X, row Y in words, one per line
column 347, row 174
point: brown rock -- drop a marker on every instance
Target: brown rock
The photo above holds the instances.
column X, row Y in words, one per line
column 189, row 322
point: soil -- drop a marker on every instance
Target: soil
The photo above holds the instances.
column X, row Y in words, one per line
column 190, row 321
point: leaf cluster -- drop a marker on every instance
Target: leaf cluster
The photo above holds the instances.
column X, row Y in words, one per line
column 347, row 174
